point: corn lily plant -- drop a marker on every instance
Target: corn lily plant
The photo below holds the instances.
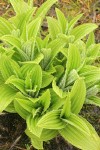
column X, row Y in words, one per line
column 46, row 80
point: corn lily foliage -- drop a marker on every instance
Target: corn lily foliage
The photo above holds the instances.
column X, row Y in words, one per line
column 46, row 80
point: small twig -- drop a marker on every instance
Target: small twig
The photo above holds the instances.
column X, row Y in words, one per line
column 15, row 142
column 1, row 114
column 20, row 148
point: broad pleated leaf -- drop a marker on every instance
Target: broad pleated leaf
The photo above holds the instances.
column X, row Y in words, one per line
column 46, row 79
column 7, row 95
column 66, row 110
column 41, row 12
column 62, row 21
column 92, row 91
column 33, row 28
column 81, row 134
column 35, row 75
column 90, row 40
column 25, row 104
column 74, row 58
column 10, row 108
column 44, row 100
column 72, row 76
column 18, row 83
column 5, row 26
column 55, row 45
column 73, row 22
column 14, row 41
column 56, row 101
column 91, row 74
column 93, row 53
column 93, row 100
column 36, row 142
column 82, row 30
column 20, row 110
column 19, row 6
column 5, row 67
column 78, row 94
column 26, row 68
column 48, row 134
column 59, row 71
column 32, row 126
column 58, row 90
column 51, row 120
column 53, row 27
column 77, row 122
column 47, row 56
column 1, row 79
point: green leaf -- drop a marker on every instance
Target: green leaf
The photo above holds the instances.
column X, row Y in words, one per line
column 81, row 134
column 67, row 38
column 19, row 6
column 44, row 100
column 6, row 97
column 36, row 142
column 32, row 125
column 55, row 45
column 59, row 71
column 26, row 68
column 5, row 26
column 90, row 40
column 72, row 76
column 51, row 120
column 58, row 91
column 41, row 12
column 48, row 134
column 10, row 108
column 33, row 28
column 5, row 67
column 91, row 74
column 63, row 23
column 53, row 27
column 35, row 75
column 93, row 53
column 82, row 30
column 78, row 94
column 66, row 111
column 93, row 100
column 46, row 79
column 92, row 91
column 74, row 58
column 56, row 101
column 18, row 83
column 73, row 22
column 20, row 110
column 42, row 43
column 1, row 79
column 30, row 3
column 47, row 56
column 15, row 41
column 12, row 40
column 78, row 123
column 25, row 104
